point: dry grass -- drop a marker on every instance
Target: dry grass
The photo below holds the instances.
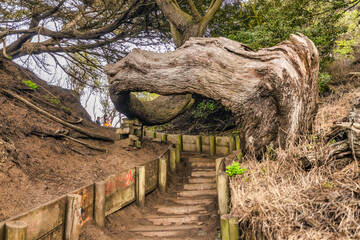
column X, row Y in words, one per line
column 283, row 201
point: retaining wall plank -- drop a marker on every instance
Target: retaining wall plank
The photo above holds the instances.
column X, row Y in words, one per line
column 119, row 191
column 151, row 183
column 42, row 221
column 189, row 143
column 151, row 175
column 56, row 234
column 222, row 145
column 87, row 203
column 173, row 138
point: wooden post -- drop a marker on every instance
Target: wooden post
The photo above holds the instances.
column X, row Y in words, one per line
column 15, row 230
column 140, row 186
column 180, row 141
column 144, row 132
column 237, row 141
column 219, row 165
column 164, row 138
column 177, row 149
column 73, row 217
column 198, row 144
column 154, row 135
column 162, row 174
column 223, row 192
column 212, row 146
column 225, row 230
column 172, row 160
column 232, row 143
column 99, row 206
column 234, row 228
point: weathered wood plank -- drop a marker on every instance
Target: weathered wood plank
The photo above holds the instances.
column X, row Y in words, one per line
column 87, row 202
column 119, row 199
column 119, row 190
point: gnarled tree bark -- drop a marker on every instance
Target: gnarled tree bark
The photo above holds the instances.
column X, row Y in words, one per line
column 272, row 93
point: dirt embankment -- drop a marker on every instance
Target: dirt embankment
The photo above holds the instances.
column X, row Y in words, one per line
column 36, row 165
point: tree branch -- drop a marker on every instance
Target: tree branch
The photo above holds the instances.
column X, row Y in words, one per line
column 194, row 11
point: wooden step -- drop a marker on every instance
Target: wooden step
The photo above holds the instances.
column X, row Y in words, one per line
column 181, row 209
column 198, row 193
column 203, row 164
column 200, row 159
column 202, row 180
column 153, row 228
column 203, row 174
column 193, row 201
column 165, row 235
column 200, row 186
column 166, row 220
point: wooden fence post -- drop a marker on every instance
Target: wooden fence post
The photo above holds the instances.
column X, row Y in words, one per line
column 177, row 149
column 234, row 228
column 164, row 138
column 162, row 174
column 15, row 230
column 73, row 217
column 219, row 163
column 225, row 230
column 223, row 193
column 232, row 143
column 140, row 186
column 180, row 141
column 212, row 145
column 198, row 144
column 172, row 160
column 237, row 141
column 154, row 135
column 99, row 206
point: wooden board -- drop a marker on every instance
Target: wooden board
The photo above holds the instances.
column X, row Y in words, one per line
column 119, row 190
column 119, row 199
column 42, row 221
column 151, row 183
column 56, row 234
column 151, row 175
column 222, row 145
column 189, row 143
column 173, row 138
column 87, row 202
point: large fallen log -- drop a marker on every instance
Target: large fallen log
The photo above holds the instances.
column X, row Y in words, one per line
column 272, row 93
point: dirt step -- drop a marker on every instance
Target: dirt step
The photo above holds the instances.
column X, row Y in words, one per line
column 166, row 220
column 154, row 228
column 200, row 159
column 202, row 180
column 193, row 201
column 197, row 193
column 201, row 169
column 166, row 235
column 200, row 186
column 182, row 209
column 203, row 174
column 203, row 164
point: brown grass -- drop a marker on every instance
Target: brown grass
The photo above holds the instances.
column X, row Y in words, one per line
column 283, row 201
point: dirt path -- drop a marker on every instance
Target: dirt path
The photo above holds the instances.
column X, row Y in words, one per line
column 188, row 210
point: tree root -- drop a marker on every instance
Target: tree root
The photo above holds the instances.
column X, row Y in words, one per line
column 56, row 119
column 61, row 135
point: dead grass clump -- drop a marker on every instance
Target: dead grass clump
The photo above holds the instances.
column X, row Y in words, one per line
column 283, row 201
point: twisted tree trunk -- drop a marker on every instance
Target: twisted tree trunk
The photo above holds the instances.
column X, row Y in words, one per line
column 272, row 93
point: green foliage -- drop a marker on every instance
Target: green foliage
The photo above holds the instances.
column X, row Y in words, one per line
column 265, row 23
column 31, row 84
column 67, row 110
column 234, row 169
column 324, row 81
column 328, row 185
column 204, row 108
column 51, row 99
column 349, row 42
column 235, row 132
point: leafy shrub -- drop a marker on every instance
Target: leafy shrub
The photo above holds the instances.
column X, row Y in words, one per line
column 31, row 84
column 324, row 80
column 234, row 169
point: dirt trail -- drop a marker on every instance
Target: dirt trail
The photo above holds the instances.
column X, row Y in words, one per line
column 188, row 210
